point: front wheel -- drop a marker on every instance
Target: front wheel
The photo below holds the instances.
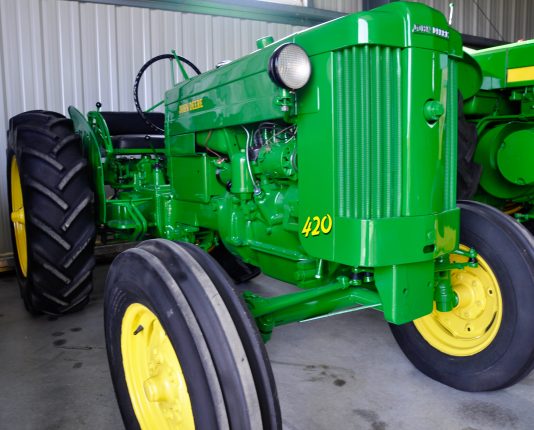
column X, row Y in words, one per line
column 487, row 341
column 182, row 348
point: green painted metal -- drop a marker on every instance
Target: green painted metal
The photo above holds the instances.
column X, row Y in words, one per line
column 136, row 177
column 470, row 75
column 503, row 111
column 345, row 188
column 516, row 157
column 499, row 65
column 506, row 151
column 92, row 149
column 271, row 312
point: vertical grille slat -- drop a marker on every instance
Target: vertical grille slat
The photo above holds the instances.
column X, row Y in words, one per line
column 451, row 137
column 339, row 123
column 376, row 127
column 368, row 134
column 361, row 79
column 397, row 127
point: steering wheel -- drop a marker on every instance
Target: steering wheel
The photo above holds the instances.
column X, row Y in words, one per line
column 142, row 70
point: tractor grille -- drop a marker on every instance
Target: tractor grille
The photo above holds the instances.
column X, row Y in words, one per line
column 368, row 131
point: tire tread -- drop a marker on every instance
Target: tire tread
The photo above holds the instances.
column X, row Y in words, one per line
column 59, row 212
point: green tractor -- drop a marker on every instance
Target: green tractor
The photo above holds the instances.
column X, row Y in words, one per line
column 327, row 160
column 499, row 123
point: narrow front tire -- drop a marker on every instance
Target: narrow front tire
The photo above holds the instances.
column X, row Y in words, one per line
column 213, row 366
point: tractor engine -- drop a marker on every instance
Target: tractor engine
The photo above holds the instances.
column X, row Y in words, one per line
column 332, row 148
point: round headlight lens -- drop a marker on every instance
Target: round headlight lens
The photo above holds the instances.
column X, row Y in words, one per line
column 290, row 66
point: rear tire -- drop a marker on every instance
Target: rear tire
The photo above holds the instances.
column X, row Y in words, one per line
column 465, row 348
column 218, row 358
column 54, row 259
column 468, row 172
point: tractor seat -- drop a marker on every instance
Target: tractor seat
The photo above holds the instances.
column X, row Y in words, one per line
column 138, row 141
column 129, row 131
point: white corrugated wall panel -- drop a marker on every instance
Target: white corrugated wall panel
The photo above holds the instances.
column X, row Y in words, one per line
column 496, row 19
column 513, row 19
column 346, row 6
column 57, row 53
column 5, row 243
column 98, row 31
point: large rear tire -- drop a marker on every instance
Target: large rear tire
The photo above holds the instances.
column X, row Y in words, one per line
column 487, row 341
column 468, row 173
column 214, row 373
column 50, row 204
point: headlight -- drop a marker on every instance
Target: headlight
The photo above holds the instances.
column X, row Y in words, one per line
column 290, row 66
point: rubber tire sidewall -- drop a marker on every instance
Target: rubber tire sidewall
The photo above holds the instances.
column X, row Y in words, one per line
column 249, row 334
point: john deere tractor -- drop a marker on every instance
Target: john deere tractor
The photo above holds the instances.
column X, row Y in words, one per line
column 327, row 160
column 500, row 125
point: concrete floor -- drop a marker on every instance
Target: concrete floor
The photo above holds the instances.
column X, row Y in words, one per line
column 344, row 372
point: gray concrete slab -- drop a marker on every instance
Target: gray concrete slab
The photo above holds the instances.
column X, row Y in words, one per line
column 53, row 371
column 344, row 372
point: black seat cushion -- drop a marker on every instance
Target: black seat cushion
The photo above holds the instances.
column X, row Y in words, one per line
column 131, row 123
column 138, row 141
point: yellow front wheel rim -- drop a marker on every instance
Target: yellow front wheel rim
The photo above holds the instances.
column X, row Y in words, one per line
column 156, row 383
column 17, row 217
column 473, row 324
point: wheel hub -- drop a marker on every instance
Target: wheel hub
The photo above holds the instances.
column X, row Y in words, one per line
column 471, row 296
column 17, row 216
column 154, row 377
column 473, row 324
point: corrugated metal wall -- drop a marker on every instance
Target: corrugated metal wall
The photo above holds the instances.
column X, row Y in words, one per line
column 346, row 6
column 59, row 53
column 508, row 20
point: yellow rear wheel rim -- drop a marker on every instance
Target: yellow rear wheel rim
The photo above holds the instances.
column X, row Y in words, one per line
column 156, row 383
column 17, row 217
column 473, row 324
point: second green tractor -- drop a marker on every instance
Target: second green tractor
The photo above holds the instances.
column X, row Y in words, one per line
column 498, row 129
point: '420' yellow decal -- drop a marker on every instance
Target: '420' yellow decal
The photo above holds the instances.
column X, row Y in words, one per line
column 317, row 225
